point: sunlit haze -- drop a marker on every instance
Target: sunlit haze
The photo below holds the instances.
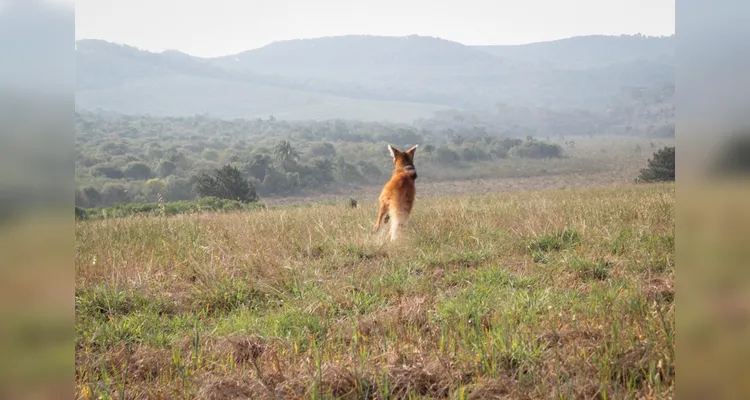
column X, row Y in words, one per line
column 224, row 27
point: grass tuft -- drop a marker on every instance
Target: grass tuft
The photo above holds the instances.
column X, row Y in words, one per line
column 598, row 270
column 555, row 241
column 228, row 295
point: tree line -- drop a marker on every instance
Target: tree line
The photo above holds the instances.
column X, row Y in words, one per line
column 135, row 159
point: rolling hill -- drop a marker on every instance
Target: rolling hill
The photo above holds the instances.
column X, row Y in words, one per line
column 585, row 52
column 353, row 57
column 370, row 77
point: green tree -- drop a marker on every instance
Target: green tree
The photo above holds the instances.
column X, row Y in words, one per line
column 227, row 183
column 258, row 166
column 207, row 186
column 179, row 189
column 533, row 148
column 166, row 168
column 155, row 186
column 369, row 170
column 154, row 153
column 278, row 182
column 137, row 170
column 107, row 170
column 210, row 155
column 324, row 149
column 323, row 170
column 345, row 172
column 285, row 153
column 89, row 197
column 661, row 167
column 233, row 157
column 446, row 156
column 114, row 194
column 178, row 157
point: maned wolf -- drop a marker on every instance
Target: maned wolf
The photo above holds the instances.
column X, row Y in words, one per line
column 397, row 197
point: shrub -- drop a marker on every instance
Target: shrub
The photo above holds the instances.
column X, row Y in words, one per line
column 509, row 143
column 535, row 149
column 80, row 214
column 205, row 204
column 108, row 171
column 227, row 184
column 446, row 156
column 137, row 170
column 660, row 167
column 166, row 168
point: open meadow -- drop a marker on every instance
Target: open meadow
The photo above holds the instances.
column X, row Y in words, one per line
column 597, row 161
column 557, row 293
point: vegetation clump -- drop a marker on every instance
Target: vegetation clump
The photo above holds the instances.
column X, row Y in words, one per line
column 661, row 167
column 227, row 183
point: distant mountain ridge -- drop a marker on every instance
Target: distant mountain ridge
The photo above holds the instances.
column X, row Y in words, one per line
column 376, row 55
column 370, row 76
column 589, row 51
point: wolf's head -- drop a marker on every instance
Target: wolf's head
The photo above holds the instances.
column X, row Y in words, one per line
column 404, row 160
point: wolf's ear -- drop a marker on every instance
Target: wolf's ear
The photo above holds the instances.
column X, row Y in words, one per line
column 394, row 151
column 411, row 151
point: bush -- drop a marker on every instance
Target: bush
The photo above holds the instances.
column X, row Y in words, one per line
column 535, row 149
column 115, row 193
column 499, row 152
column 227, row 184
column 446, row 156
column 88, row 197
column 80, row 214
column 509, row 143
column 205, row 204
column 166, row 168
column 108, row 171
column 661, row 167
column 472, row 154
column 137, row 170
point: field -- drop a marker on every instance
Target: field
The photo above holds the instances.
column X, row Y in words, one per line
column 598, row 161
column 558, row 293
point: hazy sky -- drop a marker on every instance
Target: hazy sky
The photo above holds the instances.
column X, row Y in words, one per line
column 220, row 27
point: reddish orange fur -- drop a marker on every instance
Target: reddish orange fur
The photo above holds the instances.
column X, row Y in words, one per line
column 397, row 198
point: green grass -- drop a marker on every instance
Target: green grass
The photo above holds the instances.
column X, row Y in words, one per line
column 550, row 294
column 205, row 204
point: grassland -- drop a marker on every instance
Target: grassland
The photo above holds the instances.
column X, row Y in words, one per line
column 598, row 161
column 540, row 294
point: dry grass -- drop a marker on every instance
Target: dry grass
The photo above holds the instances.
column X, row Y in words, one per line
column 549, row 294
column 597, row 161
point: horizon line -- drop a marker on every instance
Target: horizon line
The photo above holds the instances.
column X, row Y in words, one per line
column 371, row 35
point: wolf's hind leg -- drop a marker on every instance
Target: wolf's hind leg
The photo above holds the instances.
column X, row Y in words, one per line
column 382, row 217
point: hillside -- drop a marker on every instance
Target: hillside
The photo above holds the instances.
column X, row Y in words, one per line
column 352, row 57
column 184, row 95
column 390, row 78
column 593, row 51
